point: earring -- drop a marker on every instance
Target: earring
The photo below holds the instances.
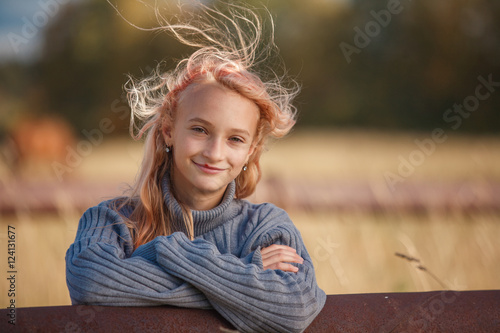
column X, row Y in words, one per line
column 245, row 168
column 167, row 149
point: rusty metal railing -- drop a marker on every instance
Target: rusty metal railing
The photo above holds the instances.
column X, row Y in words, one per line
column 436, row 311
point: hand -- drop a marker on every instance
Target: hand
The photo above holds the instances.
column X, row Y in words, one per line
column 280, row 257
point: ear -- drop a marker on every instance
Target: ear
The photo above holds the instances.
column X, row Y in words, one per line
column 166, row 132
column 252, row 149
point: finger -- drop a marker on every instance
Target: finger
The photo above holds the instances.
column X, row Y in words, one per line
column 269, row 252
column 276, row 260
column 281, row 259
column 283, row 267
column 282, row 255
column 275, row 247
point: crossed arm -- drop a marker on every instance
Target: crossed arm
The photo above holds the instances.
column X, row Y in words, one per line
column 279, row 295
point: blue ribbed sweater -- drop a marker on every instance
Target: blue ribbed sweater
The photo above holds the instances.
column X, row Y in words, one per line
column 221, row 268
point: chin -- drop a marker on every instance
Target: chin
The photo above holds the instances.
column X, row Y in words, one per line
column 210, row 186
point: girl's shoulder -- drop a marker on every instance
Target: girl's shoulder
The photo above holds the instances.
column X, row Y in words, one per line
column 265, row 212
column 266, row 224
column 108, row 212
column 104, row 224
column 122, row 205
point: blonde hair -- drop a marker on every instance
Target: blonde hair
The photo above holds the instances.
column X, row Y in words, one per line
column 229, row 47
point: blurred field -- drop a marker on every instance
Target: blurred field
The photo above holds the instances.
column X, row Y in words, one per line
column 353, row 250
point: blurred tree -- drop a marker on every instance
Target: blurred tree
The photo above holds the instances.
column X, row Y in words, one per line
column 412, row 61
column 87, row 52
column 407, row 73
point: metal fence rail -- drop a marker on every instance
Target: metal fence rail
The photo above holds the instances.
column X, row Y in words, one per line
column 437, row 311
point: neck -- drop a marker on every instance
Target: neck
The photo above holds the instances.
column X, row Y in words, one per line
column 196, row 199
column 204, row 220
column 199, row 201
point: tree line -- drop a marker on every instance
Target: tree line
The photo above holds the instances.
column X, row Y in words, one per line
column 384, row 64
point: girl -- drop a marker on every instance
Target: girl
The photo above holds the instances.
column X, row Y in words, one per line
column 183, row 235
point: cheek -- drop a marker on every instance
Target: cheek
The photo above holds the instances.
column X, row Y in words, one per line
column 185, row 145
column 239, row 158
column 182, row 151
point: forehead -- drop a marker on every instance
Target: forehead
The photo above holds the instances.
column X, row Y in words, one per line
column 208, row 91
column 212, row 101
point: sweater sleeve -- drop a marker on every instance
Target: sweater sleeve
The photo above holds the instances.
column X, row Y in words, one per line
column 99, row 269
column 252, row 299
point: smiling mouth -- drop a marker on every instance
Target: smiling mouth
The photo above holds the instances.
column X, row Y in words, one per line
column 207, row 168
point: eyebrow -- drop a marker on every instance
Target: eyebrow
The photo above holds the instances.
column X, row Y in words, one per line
column 207, row 123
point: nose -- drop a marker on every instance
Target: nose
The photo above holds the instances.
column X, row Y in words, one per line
column 214, row 149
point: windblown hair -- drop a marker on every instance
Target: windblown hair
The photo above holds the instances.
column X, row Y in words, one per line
column 229, row 46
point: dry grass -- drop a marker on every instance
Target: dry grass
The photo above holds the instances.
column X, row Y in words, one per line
column 351, row 155
column 353, row 252
column 41, row 242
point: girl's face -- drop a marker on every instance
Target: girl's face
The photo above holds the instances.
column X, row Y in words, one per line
column 212, row 139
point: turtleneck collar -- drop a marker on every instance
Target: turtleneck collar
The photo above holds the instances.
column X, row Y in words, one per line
column 204, row 220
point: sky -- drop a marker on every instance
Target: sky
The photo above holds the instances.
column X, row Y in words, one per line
column 22, row 23
column 21, row 26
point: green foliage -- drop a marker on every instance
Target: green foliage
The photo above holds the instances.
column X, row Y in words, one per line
column 414, row 67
